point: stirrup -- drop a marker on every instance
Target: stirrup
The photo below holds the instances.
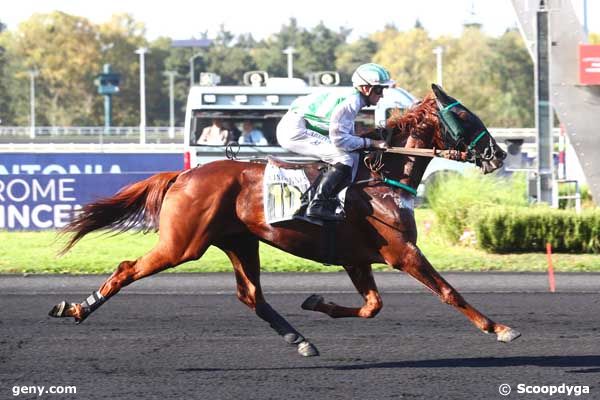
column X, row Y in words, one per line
column 324, row 209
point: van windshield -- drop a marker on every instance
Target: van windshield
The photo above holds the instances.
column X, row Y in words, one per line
column 248, row 128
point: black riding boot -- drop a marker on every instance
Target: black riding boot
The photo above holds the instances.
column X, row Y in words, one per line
column 325, row 202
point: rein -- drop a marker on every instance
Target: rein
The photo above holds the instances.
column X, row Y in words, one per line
column 374, row 162
column 448, row 154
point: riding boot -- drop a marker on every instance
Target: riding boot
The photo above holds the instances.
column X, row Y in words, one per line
column 325, row 202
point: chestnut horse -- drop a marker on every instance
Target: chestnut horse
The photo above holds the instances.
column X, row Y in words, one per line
column 221, row 204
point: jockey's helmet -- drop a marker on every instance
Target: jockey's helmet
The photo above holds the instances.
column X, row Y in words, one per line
column 371, row 74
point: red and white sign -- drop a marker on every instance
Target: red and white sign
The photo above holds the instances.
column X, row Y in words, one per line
column 589, row 64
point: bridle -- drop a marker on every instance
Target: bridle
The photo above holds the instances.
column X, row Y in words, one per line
column 453, row 134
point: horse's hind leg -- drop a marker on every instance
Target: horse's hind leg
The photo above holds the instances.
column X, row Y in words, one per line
column 242, row 250
column 177, row 243
column 127, row 272
column 362, row 278
column 415, row 264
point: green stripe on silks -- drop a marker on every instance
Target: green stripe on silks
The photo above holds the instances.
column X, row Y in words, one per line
column 316, row 128
column 400, row 185
column 474, row 142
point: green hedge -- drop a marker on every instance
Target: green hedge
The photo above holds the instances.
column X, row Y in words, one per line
column 511, row 229
column 457, row 200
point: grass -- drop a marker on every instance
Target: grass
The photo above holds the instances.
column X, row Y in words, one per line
column 36, row 253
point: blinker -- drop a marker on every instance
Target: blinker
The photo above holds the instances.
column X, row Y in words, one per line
column 452, row 125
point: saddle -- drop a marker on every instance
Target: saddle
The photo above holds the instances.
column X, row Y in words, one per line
column 288, row 187
column 308, row 166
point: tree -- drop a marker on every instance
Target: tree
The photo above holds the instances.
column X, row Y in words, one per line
column 268, row 55
column 408, row 56
column 315, row 49
column 230, row 59
column 6, row 115
column 350, row 55
column 64, row 50
column 512, row 74
column 118, row 40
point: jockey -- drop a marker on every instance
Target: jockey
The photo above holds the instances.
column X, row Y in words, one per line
column 322, row 125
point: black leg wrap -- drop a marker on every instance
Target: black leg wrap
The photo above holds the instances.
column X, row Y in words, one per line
column 278, row 323
column 94, row 301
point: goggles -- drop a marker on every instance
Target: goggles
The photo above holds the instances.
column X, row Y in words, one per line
column 378, row 90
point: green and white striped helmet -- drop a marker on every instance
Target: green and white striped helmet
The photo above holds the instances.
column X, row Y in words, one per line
column 371, row 74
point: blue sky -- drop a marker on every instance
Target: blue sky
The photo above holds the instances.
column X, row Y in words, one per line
column 182, row 19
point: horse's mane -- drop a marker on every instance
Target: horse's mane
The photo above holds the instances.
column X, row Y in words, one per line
column 418, row 121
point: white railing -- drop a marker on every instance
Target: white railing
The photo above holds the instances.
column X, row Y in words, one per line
column 166, row 132
column 89, row 134
column 126, row 139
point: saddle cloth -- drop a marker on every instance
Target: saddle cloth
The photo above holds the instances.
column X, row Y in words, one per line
column 282, row 192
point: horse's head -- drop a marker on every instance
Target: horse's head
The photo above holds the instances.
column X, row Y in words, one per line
column 463, row 130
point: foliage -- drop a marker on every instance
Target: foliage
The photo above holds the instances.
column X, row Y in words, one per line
column 63, row 48
column 510, row 229
column 493, row 76
column 457, row 200
column 408, row 57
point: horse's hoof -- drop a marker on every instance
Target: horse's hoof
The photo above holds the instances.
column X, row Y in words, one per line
column 312, row 302
column 508, row 335
column 307, row 349
column 58, row 311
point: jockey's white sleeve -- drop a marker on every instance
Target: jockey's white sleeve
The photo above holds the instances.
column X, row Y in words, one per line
column 341, row 124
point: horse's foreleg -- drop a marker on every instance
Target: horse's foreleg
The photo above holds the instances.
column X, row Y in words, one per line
column 362, row 278
column 242, row 250
column 415, row 264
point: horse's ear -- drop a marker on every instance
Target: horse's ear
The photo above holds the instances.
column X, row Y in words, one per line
column 442, row 96
column 439, row 92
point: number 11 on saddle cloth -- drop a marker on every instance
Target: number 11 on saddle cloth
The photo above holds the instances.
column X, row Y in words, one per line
column 282, row 192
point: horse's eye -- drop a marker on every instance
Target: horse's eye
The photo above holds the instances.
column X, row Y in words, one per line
column 463, row 115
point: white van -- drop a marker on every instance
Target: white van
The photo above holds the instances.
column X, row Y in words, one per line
column 262, row 106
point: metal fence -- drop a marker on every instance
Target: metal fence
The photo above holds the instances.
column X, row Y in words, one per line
column 89, row 134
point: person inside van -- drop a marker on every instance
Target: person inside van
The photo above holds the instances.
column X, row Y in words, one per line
column 216, row 134
column 251, row 136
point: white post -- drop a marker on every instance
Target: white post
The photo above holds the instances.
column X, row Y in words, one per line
column 438, row 51
column 290, row 60
column 32, row 74
column 142, row 52
column 171, row 75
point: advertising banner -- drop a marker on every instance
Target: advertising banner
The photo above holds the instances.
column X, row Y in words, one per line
column 589, row 64
column 40, row 191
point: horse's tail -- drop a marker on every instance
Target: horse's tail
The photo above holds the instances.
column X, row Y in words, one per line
column 135, row 204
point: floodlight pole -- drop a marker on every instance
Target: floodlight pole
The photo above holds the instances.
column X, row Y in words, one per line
column 171, row 75
column 438, row 51
column 32, row 74
column 290, row 60
column 142, row 52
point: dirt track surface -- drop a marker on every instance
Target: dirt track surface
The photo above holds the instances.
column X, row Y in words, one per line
column 146, row 345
